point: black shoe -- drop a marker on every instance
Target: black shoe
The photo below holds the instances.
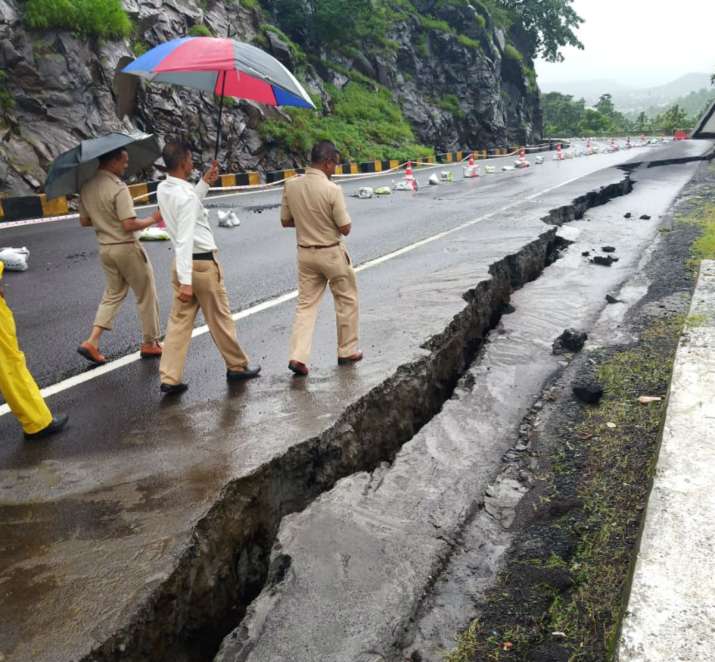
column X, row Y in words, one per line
column 58, row 422
column 173, row 389
column 241, row 375
column 349, row 360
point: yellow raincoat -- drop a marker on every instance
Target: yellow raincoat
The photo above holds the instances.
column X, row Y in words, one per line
column 16, row 383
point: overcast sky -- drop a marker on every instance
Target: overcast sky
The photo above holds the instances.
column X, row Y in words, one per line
column 636, row 42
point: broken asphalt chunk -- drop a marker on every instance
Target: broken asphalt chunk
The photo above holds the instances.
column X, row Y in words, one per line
column 608, row 249
column 589, row 391
column 604, row 261
column 611, row 299
column 571, row 340
column 645, row 217
column 628, row 215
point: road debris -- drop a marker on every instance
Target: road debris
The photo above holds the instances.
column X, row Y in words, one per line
column 228, row 219
column 588, row 390
column 15, row 259
column 647, row 399
column 571, row 340
column 154, row 233
column 604, row 261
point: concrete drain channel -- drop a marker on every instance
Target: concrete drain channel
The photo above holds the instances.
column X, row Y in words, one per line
column 226, row 565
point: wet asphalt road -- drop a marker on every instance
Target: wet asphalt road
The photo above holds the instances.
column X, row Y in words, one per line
column 54, row 302
column 105, row 509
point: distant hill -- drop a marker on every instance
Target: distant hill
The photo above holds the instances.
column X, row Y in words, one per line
column 629, row 99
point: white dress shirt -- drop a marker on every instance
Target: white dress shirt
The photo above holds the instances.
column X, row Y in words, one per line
column 187, row 222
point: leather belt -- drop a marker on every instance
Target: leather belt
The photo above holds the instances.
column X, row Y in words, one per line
column 203, row 256
column 337, row 243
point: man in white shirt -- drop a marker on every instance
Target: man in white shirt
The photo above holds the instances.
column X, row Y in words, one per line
column 197, row 276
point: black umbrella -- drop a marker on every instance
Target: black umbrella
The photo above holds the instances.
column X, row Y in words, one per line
column 72, row 169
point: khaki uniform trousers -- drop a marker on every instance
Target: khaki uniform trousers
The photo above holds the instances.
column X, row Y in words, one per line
column 125, row 266
column 211, row 298
column 16, row 383
column 317, row 268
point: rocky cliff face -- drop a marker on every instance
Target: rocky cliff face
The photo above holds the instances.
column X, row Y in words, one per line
column 59, row 88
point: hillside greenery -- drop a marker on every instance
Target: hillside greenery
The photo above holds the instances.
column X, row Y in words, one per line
column 365, row 123
column 363, row 118
column 693, row 104
column 90, row 18
column 565, row 116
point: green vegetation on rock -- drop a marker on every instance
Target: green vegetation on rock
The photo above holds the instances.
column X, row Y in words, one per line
column 364, row 123
column 6, row 99
column 91, row 18
column 450, row 103
column 200, row 30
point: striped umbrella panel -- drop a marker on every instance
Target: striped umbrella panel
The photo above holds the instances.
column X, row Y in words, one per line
column 225, row 67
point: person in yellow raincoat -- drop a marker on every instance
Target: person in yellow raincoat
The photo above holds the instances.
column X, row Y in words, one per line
column 17, row 385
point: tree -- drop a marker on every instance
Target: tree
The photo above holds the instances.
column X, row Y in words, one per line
column 673, row 118
column 313, row 23
column 594, row 122
column 551, row 23
column 605, row 106
column 643, row 123
column 562, row 114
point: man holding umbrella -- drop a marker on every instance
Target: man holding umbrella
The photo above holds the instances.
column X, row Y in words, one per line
column 197, row 275
column 107, row 206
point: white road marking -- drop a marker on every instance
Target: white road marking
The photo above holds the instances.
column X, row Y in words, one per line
column 100, row 371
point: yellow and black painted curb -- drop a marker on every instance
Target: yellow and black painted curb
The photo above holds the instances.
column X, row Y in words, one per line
column 19, row 208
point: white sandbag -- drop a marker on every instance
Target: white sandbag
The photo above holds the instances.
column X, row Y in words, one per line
column 365, row 192
column 153, row 233
column 15, row 259
column 228, row 219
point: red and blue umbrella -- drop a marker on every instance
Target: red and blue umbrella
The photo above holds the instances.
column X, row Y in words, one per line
column 225, row 67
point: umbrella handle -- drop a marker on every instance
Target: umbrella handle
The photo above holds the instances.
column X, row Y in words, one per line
column 220, row 113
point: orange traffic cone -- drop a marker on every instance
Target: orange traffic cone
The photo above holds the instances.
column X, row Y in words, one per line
column 410, row 176
column 472, row 169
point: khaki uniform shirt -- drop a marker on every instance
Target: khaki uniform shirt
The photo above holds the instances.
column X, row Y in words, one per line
column 106, row 200
column 317, row 207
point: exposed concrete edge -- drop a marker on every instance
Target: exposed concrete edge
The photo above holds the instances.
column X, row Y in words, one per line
column 226, row 563
column 671, row 608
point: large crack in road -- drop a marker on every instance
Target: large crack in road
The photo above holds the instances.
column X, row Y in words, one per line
column 226, row 565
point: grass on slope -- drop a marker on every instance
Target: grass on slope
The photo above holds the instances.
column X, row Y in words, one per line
column 91, row 18
column 364, row 123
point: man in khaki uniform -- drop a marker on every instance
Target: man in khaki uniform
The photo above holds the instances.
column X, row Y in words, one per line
column 107, row 206
column 315, row 207
column 197, row 276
